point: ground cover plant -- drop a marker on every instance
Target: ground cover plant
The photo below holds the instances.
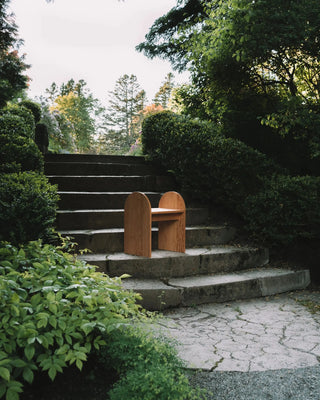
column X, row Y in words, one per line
column 56, row 312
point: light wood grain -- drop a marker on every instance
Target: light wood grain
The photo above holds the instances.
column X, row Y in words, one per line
column 138, row 218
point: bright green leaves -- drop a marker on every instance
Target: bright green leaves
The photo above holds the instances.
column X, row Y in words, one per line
column 54, row 308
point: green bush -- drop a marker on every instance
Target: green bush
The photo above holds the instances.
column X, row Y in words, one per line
column 286, row 209
column 26, row 115
column 35, row 108
column 206, row 164
column 13, row 125
column 28, row 206
column 148, row 366
column 276, row 207
column 53, row 311
column 22, row 151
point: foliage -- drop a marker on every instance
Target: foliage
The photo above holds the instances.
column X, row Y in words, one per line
column 59, row 138
column 149, row 367
column 22, row 151
column 53, row 312
column 71, row 114
column 241, row 74
column 12, row 66
column 27, row 207
column 276, row 207
column 13, row 125
column 33, row 107
column 125, row 102
column 228, row 168
column 26, row 115
column 285, row 209
column 170, row 35
column 163, row 95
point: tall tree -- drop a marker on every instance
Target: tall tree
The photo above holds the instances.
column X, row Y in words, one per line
column 125, row 102
column 163, row 95
column 249, row 61
column 12, row 65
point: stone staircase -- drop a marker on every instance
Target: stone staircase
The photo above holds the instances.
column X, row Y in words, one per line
column 93, row 190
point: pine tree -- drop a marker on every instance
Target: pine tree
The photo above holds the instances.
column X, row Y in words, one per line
column 163, row 95
column 125, row 102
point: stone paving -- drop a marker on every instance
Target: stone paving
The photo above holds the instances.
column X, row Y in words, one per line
column 249, row 335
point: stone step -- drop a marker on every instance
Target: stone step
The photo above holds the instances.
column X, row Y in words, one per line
column 113, row 218
column 196, row 261
column 93, row 183
column 99, row 168
column 94, row 158
column 111, row 240
column 99, row 200
column 189, row 291
column 167, row 264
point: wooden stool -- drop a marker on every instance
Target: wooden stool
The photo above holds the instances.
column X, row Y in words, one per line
column 138, row 218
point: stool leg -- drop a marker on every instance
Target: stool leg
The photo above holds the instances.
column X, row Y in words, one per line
column 137, row 225
column 171, row 235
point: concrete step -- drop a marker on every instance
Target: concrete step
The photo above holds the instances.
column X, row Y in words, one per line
column 113, row 218
column 258, row 282
column 94, row 158
column 99, row 200
column 100, row 168
column 111, row 240
column 167, row 264
column 94, row 183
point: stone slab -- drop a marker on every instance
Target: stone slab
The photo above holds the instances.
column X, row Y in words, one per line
column 260, row 334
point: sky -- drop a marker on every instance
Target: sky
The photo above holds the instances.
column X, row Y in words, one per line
column 92, row 40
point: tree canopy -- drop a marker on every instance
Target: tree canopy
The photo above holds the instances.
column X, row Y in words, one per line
column 251, row 62
column 12, row 65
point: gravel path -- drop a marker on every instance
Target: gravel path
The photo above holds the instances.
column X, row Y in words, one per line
column 284, row 384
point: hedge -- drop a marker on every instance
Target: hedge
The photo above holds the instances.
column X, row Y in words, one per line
column 28, row 206
column 276, row 207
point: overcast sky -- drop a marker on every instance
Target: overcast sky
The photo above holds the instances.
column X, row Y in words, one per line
column 92, row 40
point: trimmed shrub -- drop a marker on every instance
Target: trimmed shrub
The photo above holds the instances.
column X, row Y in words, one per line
column 53, row 311
column 21, row 151
column 27, row 117
column 28, row 206
column 42, row 137
column 286, row 209
column 205, row 163
column 13, row 125
column 276, row 207
column 35, row 108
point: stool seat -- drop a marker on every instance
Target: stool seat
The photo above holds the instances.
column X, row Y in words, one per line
column 138, row 218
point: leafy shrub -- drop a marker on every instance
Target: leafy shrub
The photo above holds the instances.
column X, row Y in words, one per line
column 27, row 117
column 205, row 162
column 149, row 367
column 35, row 108
column 12, row 125
column 286, row 209
column 22, row 151
column 53, row 311
column 276, row 207
column 28, row 206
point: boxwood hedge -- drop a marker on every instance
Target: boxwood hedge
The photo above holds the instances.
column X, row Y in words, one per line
column 276, row 207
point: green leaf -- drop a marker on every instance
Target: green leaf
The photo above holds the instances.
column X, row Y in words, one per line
column 5, row 373
column 79, row 364
column 28, row 375
column 18, row 363
column 29, row 351
column 52, row 372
